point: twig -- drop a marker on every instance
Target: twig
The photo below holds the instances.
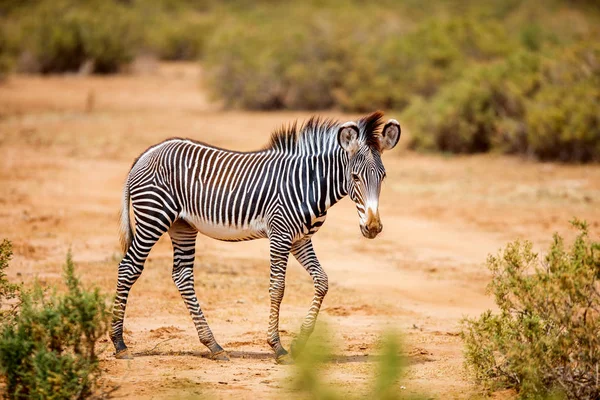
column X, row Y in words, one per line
column 154, row 348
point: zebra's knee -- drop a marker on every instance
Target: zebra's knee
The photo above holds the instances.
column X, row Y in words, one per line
column 129, row 269
column 321, row 285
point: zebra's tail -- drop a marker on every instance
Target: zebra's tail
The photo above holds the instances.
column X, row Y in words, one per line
column 125, row 230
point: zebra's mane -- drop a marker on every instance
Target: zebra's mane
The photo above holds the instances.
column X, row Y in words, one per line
column 320, row 134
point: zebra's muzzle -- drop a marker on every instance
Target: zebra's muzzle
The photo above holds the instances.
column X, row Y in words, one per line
column 371, row 230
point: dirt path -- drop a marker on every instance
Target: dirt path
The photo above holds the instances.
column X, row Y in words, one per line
column 61, row 172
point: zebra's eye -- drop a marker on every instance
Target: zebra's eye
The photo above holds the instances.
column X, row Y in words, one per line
column 355, row 177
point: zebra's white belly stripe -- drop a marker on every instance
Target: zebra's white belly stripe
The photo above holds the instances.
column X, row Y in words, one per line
column 256, row 229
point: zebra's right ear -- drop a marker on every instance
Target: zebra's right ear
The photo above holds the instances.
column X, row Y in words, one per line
column 348, row 137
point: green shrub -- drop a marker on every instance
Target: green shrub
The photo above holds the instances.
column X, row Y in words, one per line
column 178, row 35
column 63, row 35
column 563, row 119
column 545, row 340
column 8, row 48
column 267, row 61
column 543, row 106
column 48, row 350
column 481, row 110
column 307, row 378
column 8, row 291
column 358, row 60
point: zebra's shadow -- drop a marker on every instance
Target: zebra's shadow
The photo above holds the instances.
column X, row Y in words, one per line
column 255, row 355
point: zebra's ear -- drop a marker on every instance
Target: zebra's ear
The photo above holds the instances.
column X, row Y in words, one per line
column 348, row 137
column 390, row 135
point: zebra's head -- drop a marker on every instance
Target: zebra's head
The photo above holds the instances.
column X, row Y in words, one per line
column 365, row 170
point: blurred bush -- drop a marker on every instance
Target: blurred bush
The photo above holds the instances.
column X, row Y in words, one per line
column 359, row 60
column 473, row 76
column 9, row 47
column 310, row 364
column 178, row 36
column 63, row 36
column 48, row 344
column 544, row 341
column 266, row 60
column 540, row 105
column 6, row 54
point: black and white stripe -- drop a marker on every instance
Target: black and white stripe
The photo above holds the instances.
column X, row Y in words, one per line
column 281, row 192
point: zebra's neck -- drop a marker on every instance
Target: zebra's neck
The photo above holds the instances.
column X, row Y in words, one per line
column 322, row 180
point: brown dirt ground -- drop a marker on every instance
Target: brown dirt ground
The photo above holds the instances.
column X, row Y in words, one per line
column 66, row 144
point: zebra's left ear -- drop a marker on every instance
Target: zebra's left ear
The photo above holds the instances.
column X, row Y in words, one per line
column 390, row 135
column 348, row 137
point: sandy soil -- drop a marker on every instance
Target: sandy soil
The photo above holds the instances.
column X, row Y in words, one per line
column 66, row 144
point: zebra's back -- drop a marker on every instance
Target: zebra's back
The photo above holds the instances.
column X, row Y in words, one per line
column 224, row 194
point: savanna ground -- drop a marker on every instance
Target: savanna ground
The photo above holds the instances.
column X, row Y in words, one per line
column 66, row 144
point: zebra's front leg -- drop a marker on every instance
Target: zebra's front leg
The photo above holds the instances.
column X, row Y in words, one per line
column 279, row 253
column 305, row 254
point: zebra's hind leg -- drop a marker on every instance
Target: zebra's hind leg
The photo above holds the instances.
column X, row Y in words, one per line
column 130, row 269
column 305, row 254
column 183, row 237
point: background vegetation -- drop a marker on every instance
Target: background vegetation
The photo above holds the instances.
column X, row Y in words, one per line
column 545, row 340
column 515, row 76
column 48, row 340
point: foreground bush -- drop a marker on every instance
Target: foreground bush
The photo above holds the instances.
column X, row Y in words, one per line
column 544, row 106
column 8, row 291
column 546, row 338
column 307, row 378
column 48, row 347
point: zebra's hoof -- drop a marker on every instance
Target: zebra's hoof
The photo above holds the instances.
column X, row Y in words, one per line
column 123, row 355
column 285, row 359
column 220, row 356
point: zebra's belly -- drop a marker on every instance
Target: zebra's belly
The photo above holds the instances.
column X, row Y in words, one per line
column 229, row 233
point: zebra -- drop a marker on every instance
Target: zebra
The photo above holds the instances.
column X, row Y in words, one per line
column 281, row 192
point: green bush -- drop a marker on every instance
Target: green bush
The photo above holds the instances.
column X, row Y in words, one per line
column 480, row 111
column 358, row 60
column 63, row 35
column 8, row 291
column 178, row 35
column 267, row 61
column 359, row 56
column 307, row 378
column 48, row 348
column 545, row 340
column 563, row 121
column 538, row 105
column 8, row 48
